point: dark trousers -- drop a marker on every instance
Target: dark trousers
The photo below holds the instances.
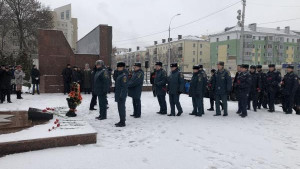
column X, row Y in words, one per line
column 136, row 107
column 102, row 105
column 37, row 88
column 67, row 86
column 253, row 97
column 5, row 92
column 224, row 102
column 122, row 109
column 93, row 101
column 271, row 99
column 262, row 100
column 288, row 103
column 212, row 102
column 243, row 99
column 87, row 90
column 198, row 108
column 162, row 103
column 174, row 100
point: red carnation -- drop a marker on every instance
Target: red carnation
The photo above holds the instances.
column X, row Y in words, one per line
column 49, row 130
column 44, row 111
column 58, row 125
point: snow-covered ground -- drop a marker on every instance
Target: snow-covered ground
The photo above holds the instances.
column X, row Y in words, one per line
column 260, row 141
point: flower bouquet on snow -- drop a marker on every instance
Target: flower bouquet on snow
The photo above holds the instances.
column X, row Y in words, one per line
column 74, row 99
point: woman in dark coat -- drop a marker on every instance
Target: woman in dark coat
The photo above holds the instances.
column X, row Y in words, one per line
column 6, row 77
column 87, row 78
column 35, row 78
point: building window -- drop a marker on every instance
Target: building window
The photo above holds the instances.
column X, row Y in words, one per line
column 68, row 14
column 200, row 45
column 254, row 37
column 288, row 40
column 270, row 46
column 200, row 52
column 259, row 38
column 193, row 60
column 293, row 40
column 228, row 46
column 217, row 39
column 62, row 15
column 194, row 53
column 228, row 37
column 217, row 47
column 194, row 45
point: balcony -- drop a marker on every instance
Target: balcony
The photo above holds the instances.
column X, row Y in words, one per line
column 180, row 48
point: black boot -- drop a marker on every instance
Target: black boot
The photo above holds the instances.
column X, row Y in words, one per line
column 179, row 113
column 93, row 108
column 211, row 109
column 121, row 124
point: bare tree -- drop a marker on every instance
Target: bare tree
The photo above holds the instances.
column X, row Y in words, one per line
column 28, row 17
column 5, row 23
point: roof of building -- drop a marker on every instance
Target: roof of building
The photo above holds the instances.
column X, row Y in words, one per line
column 188, row 37
column 263, row 30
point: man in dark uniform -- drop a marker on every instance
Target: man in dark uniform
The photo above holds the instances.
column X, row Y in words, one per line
column 101, row 85
column 243, row 85
column 297, row 99
column 196, row 91
column 160, row 88
column 67, row 77
column 290, row 86
column 175, row 88
column 94, row 96
column 222, row 85
column 235, row 89
column 135, row 85
column 255, row 88
column 6, row 77
column 273, row 78
column 203, row 73
column 262, row 99
column 121, row 89
column 210, row 90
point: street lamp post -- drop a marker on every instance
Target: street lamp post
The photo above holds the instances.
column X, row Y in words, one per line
column 169, row 39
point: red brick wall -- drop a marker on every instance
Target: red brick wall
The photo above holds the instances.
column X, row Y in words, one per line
column 82, row 59
column 55, row 53
column 106, row 44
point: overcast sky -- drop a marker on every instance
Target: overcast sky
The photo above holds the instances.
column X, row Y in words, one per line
column 135, row 18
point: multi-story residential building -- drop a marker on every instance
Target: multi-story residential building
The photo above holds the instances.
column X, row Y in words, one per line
column 261, row 46
column 131, row 57
column 186, row 51
column 63, row 21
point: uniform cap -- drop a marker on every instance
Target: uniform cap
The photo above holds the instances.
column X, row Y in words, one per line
column 174, row 65
column 196, row 67
column 120, row 64
column 138, row 64
column 221, row 63
column 271, row 65
column 158, row 64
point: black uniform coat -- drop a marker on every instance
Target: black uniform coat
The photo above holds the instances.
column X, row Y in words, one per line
column 135, row 84
column 176, row 82
column 272, row 81
column 35, row 76
column 160, row 82
column 121, row 85
column 101, row 82
column 255, row 83
column 290, row 84
column 6, row 77
column 198, row 84
column 67, row 75
column 222, row 83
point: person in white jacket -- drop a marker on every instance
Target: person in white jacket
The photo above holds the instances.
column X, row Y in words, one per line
column 19, row 75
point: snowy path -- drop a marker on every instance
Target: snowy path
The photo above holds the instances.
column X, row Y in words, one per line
column 260, row 141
